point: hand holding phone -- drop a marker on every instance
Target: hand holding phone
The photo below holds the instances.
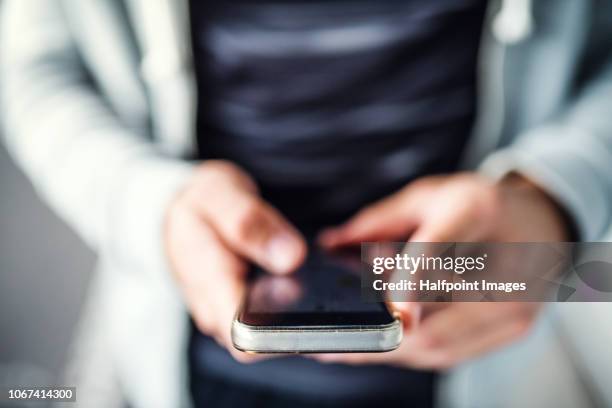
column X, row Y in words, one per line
column 214, row 228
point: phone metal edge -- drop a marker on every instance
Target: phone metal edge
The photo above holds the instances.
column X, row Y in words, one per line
column 329, row 339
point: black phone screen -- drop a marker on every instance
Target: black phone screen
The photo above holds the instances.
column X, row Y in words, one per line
column 324, row 291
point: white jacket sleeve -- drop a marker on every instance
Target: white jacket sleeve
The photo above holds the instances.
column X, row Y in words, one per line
column 571, row 157
column 106, row 181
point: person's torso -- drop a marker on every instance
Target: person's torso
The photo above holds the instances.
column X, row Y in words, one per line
column 330, row 106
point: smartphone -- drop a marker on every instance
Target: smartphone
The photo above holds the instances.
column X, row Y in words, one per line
column 318, row 309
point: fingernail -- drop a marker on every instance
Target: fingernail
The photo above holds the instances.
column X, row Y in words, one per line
column 283, row 251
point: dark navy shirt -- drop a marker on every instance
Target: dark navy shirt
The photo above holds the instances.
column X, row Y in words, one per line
column 331, row 105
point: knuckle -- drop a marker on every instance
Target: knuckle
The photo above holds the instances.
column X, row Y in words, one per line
column 482, row 196
column 486, row 199
column 523, row 327
column 490, row 202
column 502, row 308
column 214, row 169
column 215, row 173
column 523, row 310
column 507, row 312
column 206, row 182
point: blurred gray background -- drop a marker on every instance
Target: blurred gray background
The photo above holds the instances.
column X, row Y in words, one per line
column 44, row 273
